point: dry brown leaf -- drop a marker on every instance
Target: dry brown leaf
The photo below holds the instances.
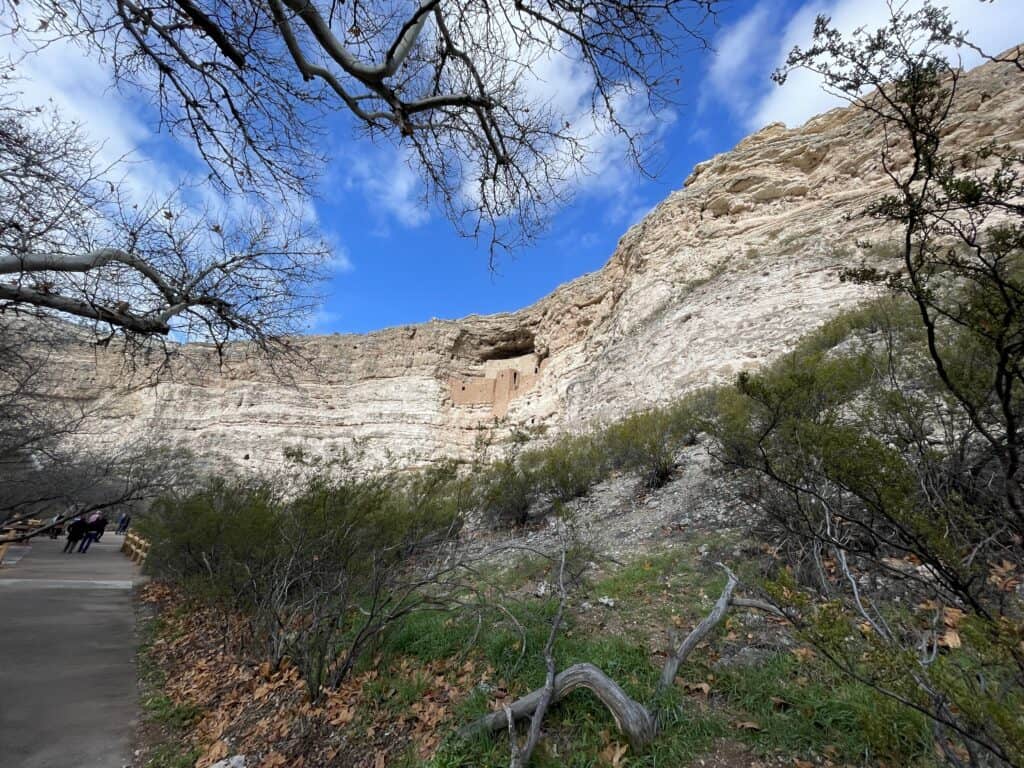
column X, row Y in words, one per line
column 614, row 753
column 779, row 703
column 342, row 716
column 218, row 751
column 950, row 639
column 274, row 760
column 952, row 617
column 1004, row 576
column 746, row 725
column 262, row 691
column 803, row 654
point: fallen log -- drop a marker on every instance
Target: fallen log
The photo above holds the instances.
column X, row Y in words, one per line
column 638, row 722
column 631, row 717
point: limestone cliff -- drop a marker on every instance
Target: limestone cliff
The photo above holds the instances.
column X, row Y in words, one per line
column 722, row 276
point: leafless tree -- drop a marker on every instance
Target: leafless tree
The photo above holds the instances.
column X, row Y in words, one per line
column 82, row 263
column 254, row 83
column 55, row 484
column 32, row 416
column 73, row 245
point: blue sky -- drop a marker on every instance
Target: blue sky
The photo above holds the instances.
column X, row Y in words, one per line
column 397, row 262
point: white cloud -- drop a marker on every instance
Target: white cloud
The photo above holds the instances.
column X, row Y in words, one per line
column 322, row 320
column 392, row 188
column 338, row 262
column 738, row 52
column 993, row 26
column 603, row 169
column 63, row 77
column 79, row 87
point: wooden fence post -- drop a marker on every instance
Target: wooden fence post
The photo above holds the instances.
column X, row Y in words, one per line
column 135, row 547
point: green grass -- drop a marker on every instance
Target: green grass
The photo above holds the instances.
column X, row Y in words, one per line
column 168, row 755
column 815, row 710
column 396, row 693
column 808, row 707
column 161, row 710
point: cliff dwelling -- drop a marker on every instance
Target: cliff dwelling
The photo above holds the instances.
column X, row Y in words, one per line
column 502, row 382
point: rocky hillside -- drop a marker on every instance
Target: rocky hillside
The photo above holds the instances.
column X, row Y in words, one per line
column 722, row 276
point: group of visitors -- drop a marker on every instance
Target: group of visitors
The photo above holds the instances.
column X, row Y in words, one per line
column 83, row 531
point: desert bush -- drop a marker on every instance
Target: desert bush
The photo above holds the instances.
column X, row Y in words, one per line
column 897, row 473
column 505, row 491
column 649, row 442
column 321, row 576
column 208, row 539
column 890, row 509
column 536, row 481
column 566, row 469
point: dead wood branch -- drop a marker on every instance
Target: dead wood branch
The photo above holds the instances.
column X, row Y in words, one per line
column 758, row 605
column 638, row 722
column 631, row 717
column 702, row 630
column 521, row 755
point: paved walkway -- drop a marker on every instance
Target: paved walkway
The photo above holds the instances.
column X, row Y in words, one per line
column 68, row 695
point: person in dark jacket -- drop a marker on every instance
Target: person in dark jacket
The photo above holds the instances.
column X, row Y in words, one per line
column 100, row 527
column 92, row 527
column 76, row 532
column 123, row 523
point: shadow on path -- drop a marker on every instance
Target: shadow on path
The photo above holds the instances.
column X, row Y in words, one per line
column 68, row 695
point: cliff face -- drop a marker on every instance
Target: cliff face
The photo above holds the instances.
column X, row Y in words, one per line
column 724, row 275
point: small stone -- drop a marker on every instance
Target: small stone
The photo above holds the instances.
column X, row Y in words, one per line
column 607, row 602
column 238, row 761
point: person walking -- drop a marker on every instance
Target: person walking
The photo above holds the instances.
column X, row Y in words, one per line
column 101, row 526
column 76, row 531
column 92, row 530
column 123, row 522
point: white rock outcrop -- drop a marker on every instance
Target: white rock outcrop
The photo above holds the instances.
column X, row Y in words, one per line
column 722, row 276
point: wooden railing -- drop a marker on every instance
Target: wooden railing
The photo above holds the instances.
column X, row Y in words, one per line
column 15, row 532
column 135, row 547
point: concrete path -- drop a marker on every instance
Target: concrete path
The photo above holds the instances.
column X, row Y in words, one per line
column 68, row 695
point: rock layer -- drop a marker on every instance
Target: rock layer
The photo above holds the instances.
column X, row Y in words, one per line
column 722, row 276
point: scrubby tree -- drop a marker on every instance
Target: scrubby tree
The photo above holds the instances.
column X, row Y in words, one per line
column 73, row 244
column 42, row 489
column 890, row 471
column 83, row 263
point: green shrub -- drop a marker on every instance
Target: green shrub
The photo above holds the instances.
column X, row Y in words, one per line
column 209, row 539
column 321, row 576
column 566, row 469
column 505, row 493
column 649, row 442
column 860, row 454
